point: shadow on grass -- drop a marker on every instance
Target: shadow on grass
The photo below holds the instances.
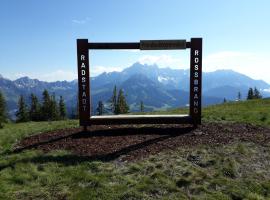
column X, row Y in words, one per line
column 163, row 134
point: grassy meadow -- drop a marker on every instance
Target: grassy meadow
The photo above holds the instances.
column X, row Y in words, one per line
column 255, row 112
column 234, row 171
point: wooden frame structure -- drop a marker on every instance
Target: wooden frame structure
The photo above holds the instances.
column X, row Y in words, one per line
column 194, row 117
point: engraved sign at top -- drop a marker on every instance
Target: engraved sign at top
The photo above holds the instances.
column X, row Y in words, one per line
column 162, row 44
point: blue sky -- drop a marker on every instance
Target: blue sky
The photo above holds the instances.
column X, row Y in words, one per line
column 38, row 38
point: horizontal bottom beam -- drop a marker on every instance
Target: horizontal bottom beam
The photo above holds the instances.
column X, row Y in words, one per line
column 140, row 119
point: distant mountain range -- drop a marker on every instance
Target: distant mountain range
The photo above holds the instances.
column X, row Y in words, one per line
column 158, row 88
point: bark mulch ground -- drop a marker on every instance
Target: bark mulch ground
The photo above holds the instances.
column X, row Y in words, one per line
column 134, row 142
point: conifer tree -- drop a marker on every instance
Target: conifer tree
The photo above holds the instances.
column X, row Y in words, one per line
column 54, row 110
column 62, row 108
column 75, row 110
column 73, row 113
column 46, row 104
column 22, row 113
column 122, row 106
column 141, row 106
column 257, row 94
column 113, row 101
column 3, row 114
column 34, row 112
column 100, row 108
column 239, row 96
column 250, row 94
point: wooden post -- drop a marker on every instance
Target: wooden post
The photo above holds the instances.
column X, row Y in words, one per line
column 83, row 82
column 195, row 80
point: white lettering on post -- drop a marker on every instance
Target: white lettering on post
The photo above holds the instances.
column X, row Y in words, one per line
column 83, row 85
column 83, row 72
column 196, row 81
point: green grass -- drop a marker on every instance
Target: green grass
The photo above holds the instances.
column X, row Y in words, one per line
column 253, row 111
column 235, row 171
column 222, row 172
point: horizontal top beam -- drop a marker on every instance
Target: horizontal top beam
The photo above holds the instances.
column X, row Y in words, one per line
column 142, row 45
column 114, row 45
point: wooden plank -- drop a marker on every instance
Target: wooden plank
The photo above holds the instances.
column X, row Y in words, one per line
column 114, row 45
column 162, row 44
column 140, row 119
column 142, row 45
column 135, row 116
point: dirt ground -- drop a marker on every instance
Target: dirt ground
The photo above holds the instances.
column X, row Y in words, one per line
column 134, row 142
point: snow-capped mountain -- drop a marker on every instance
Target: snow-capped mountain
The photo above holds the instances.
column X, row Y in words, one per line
column 156, row 87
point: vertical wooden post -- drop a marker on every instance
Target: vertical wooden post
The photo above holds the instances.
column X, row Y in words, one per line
column 83, row 82
column 195, row 80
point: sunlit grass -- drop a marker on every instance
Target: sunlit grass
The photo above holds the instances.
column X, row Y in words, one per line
column 221, row 172
column 252, row 111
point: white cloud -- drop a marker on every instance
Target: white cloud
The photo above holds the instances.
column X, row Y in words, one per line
column 16, row 76
column 81, row 21
column 254, row 65
column 96, row 70
column 266, row 90
column 162, row 61
column 58, row 75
